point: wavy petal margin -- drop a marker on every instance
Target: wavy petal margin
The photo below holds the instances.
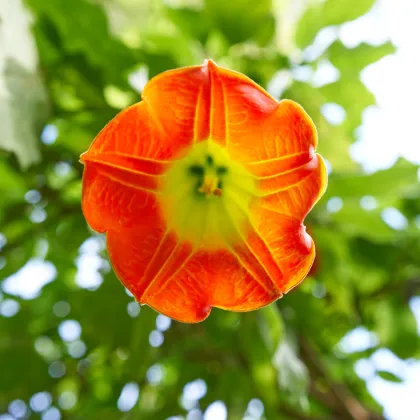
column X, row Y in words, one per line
column 125, row 166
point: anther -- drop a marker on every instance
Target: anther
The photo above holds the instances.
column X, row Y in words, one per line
column 210, row 186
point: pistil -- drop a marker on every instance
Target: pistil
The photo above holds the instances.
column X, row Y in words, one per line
column 209, row 186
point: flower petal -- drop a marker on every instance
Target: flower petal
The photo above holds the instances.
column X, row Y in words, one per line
column 131, row 249
column 179, row 103
column 254, row 126
column 210, row 279
column 295, row 192
column 292, row 248
column 184, row 296
column 111, row 202
column 237, row 103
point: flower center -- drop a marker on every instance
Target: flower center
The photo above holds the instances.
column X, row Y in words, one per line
column 210, row 177
column 206, row 196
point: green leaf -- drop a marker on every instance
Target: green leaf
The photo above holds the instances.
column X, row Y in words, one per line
column 355, row 221
column 350, row 61
column 181, row 49
column 236, row 22
column 349, row 91
column 20, row 360
column 271, row 326
column 353, row 96
column 399, row 180
column 83, row 29
column 258, row 358
column 388, row 376
column 330, row 12
column 395, row 325
column 190, row 21
column 11, row 184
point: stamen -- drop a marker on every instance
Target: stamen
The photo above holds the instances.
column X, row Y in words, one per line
column 210, row 186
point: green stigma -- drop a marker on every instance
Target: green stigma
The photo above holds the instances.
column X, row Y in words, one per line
column 206, row 197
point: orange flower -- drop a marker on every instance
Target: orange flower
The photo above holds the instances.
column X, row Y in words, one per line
column 202, row 189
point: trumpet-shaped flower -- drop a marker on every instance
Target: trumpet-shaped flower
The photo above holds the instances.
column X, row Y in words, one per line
column 202, row 189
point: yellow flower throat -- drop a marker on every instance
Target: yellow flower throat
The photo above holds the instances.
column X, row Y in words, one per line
column 206, row 197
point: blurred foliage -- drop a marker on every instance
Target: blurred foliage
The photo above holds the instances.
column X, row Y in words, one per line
column 94, row 57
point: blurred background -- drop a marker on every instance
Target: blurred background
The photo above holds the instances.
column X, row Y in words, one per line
column 343, row 345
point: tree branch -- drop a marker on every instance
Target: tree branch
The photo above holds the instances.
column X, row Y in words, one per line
column 339, row 399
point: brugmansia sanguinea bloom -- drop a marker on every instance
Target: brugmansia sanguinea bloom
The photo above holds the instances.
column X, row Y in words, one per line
column 202, row 189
